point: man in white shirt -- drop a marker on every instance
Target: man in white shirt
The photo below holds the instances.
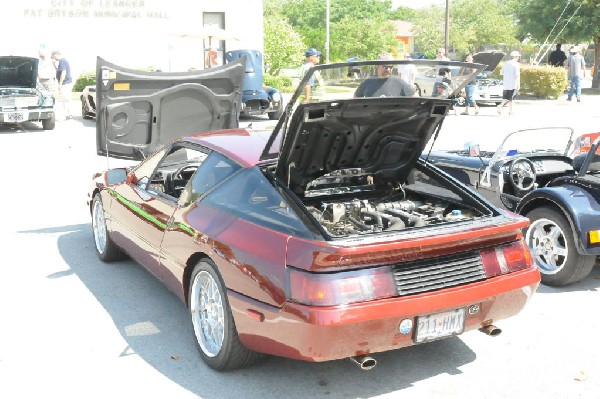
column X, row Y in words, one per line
column 46, row 71
column 511, row 82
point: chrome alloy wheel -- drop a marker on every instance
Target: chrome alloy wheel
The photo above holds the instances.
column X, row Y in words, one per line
column 206, row 307
column 99, row 227
column 548, row 244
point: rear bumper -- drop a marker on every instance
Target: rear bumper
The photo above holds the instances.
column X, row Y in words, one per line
column 26, row 115
column 322, row 334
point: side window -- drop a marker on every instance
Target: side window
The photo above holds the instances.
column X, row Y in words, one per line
column 175, row 170
column 214, row 170
column 251, row 196
column 144, row 170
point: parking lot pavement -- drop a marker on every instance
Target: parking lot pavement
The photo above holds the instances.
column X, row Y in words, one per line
column 73, row 327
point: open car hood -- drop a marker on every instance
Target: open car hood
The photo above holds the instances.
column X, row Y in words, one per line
column 138, row 111
column 338, row 134
column 490, row 58
column 18, row 72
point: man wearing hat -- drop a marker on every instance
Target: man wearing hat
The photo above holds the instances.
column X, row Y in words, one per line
column 311, row 58
column 511, row 82
column 576, row 72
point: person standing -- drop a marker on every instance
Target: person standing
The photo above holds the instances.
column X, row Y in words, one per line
column 311, row 58
column 440, row 55
column 408, row 72
column 64, row 81
column 385, row 83
column 46, row 71
column 511, row 82
column 557, row 57
column 576, row 72
column 470, row 88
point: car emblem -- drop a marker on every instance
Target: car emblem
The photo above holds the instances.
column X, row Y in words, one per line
column 405, row 326
column 473, row 309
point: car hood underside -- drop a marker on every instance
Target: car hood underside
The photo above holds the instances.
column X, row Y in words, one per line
column 18, row 72
column 380, row 136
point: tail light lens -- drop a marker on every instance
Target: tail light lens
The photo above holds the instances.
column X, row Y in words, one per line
column 506, row 259
column 319, row 289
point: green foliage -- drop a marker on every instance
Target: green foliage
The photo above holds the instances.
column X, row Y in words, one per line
column 543, row 81
column 560, row 21
column 281, row 83
column 429, row 30
column 283, row 45
column 351, row 21
column 85, row 79
column 363, row 38
column 540, row 81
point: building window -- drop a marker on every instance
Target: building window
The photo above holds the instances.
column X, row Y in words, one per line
column 214, row 43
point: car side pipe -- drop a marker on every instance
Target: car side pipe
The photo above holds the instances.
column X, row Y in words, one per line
column 364, row 362
column 491, row 330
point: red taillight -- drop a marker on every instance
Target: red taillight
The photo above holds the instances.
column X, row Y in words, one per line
column 319, row 289
column 506, row 259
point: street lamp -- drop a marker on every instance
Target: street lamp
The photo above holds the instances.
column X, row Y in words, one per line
column 327, row 32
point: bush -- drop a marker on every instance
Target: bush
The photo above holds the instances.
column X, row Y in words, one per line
column 85, row 79
column 541, row 81
column 281, row 83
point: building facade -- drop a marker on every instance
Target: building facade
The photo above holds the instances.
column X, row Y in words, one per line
column 174, row 35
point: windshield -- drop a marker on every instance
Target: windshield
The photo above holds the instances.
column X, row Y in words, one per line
column 534, row 141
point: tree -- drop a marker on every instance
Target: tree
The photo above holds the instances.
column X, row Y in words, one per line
column 474, row 24
column 365, row 17
column 283, row 45
column 579, row 19
column 361, row 37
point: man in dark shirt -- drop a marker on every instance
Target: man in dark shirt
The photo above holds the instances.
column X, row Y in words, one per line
column 384, row 84
column 557, row 57
column 65, row 82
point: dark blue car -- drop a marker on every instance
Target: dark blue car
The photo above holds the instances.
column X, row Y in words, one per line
column 256, row 99
column 534, row 173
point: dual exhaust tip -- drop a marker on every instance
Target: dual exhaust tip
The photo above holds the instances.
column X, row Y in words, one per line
column 366, row 362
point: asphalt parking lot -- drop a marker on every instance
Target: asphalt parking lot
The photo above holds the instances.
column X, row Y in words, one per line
column 73, row 327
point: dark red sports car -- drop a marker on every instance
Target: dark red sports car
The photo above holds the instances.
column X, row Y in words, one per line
column 326, row 238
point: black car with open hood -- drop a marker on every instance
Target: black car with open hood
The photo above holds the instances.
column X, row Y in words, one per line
column 20, row 98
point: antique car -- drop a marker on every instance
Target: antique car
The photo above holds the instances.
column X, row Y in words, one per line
column 325, row 238
column 21, row 99
column 488, row 89
column 88, row 102
column 533, row 172
column 257, row 99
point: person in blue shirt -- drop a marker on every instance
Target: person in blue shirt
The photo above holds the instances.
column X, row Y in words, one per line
column 64, row 81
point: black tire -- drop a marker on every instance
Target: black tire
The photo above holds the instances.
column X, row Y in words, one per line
column 276, row 115
column 49, row 124
column 106, row 249
column 556, row 255
column 220, row 348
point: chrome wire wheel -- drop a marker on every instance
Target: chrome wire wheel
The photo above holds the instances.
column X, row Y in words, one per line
column 99, row 227
column 548, row 244
column 206, row 307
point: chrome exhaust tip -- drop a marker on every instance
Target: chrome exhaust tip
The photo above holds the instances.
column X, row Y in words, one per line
column 364, row 362
column 491, row 330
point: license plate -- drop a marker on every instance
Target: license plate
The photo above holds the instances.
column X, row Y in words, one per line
column 440, row 325
column 17, row 117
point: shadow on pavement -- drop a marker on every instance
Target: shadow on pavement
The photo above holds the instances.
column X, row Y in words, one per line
column 155, row 325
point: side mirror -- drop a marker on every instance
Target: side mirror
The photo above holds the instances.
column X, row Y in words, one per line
column 474, row 150
column 116, row 176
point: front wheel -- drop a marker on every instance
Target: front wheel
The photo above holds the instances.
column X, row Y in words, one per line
column 552, row 244
column 49, row 124
column 106, row 249
column 216, row 335
column 276, row 115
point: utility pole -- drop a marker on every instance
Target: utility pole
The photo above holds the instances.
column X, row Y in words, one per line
column 446, row 27
column 327, row 33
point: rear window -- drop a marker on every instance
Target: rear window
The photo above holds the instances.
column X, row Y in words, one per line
column 251, row 196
